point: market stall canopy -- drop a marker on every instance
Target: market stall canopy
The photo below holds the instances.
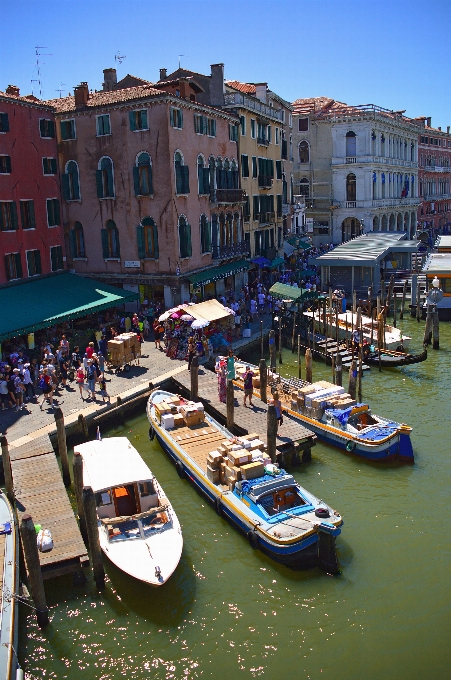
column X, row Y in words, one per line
column 283, row 292
column 277, row 262
column 307, row 272
column 261, row 261
column 296, row 242
column 211, row 310
column 218, row 273
column 31, row 305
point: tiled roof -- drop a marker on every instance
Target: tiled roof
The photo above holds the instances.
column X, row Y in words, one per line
column 246, row 88
column 129, row 76
column 314, row 105
column 66, row 104
column 28, row 99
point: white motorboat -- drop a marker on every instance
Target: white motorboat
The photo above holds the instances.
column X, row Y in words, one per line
column 138, row 528
column 9, row 575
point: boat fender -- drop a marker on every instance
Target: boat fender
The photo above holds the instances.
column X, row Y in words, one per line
column 253, row 540
column 322, row 512
column 180, row 470
column 219, row 506
column 350, row 446
column 151, row 433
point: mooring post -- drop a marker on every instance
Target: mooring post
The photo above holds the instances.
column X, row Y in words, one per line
column 293, row 332
column 418, row 302
column 83, row 426
column 78, row 488
column 428, row 326
column 308, row 365
column 333, row 369
column 194, row 378
column 413, row 294
column 435, row 329
column 403, row 303
column 352, row 379
column 394, row 308
column 62, row 446
column 30, row 548
column 272, row 350
column 382, row 291
column 263, row 380
column 7, row 471
column 280, row 337
column 299, row 357
column 89, row 506
column 338, row 370
column 354, row 302
column 271, row 432
column 230, row 405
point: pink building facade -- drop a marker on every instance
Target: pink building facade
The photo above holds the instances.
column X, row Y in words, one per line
column 150, row 187
column 434, row 174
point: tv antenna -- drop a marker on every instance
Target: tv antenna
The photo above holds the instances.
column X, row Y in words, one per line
column 60, row 89
column 38, row 66
column 180, row 56
column 119, row 57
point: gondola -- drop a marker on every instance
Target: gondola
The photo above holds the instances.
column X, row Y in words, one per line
column 392, row 359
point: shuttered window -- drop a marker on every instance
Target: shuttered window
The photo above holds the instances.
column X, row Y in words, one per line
column 49, row 166
column 176, row 118
column 243, row 125
column 47, row 128
column 13, row 266
column 142, row 176
column 110, row 241
column 256, row 206
column 27, row 215
column 70, row 182
column 138, row 120
column 56, row 258
column 4, row 122
column 34, row 262
column 181, row 175
column 77, row 241
column 205, row 234
column 8, row 216
column 5, row 165
column 53, row 212
column 67, row 130
column 103, row 125
column 278, row 169
column 244, row 165
column 104, row 178
column 147, row 237
column 233, row 132
column 254, row 167
column 211, row 127
column 184, row 238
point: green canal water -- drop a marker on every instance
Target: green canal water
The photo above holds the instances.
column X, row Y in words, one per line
column 230, row 612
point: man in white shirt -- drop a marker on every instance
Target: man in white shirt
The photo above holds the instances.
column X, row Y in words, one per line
column 27, row 381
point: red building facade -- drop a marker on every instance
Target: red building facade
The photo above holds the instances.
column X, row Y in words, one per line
column 31, row 236
column 434, row 175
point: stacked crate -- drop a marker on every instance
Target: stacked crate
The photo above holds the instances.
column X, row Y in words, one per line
column 237, row 459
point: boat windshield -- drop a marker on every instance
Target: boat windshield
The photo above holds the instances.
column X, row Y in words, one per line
column 281, row 501
column 152, row 523
column 123, row 530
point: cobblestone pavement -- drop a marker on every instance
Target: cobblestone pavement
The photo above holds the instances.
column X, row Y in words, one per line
column 153, row 363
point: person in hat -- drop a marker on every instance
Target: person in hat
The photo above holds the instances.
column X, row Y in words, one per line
column 28, row 383
column 18, row 389
column 92, row 378
column 46, row 385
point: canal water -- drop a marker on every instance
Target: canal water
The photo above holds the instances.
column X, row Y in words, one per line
column 230, row 612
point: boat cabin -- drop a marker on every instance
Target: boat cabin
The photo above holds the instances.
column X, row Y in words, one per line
column 271, row 496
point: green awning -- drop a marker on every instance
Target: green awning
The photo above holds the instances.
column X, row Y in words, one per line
column 218, row 273
column 40, row 303
column 277, row 262
column 283, row 292
column 297, row 243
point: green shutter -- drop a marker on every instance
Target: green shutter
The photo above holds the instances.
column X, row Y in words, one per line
column 271, row 168
column 2, row 207
column 279, row 205
column 185, row 179
column 53, row 168
column 156, row 251
column 132, row 118
column 31, row 214
column 208, row 236
column 256, row 206
column 65, row 186
column 37, row 262
column 189, row 247
column 14, row 220
column 73, row 243
column 4, row 122
column 213, row 125
column 30, row 263
column 41, row 126
column 180, row 118
column 105, row 244
column 136, row 182
column 178, row 177
column 99, row 184
column 22, row 214
column 140, row 239
column 56, row 211
column 51, row 128
column 206, row 174
column 8, row 163
column 150, row 180
column 279, row 169
column 171, row 116
column 110, row 182
column 53, row 259
column 63, row 127
column 19, row 271
column 76, row 184
column 144, row 125
column 200, row 179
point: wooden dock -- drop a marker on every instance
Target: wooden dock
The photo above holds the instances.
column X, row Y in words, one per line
column 246, row 419
column 40, row 492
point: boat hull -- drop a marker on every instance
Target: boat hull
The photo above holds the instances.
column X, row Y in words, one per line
column 304, row 554
column 396, row 359
column 10, row 576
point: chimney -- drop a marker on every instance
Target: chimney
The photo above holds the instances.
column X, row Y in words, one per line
column 217, row 85
column 184, row 88
column 163, row 73
column 447, row 129
column 439, row 129
column 429, row 121
column 110, row 79
column 261, row 90
column 81, row 93
column 14, row 90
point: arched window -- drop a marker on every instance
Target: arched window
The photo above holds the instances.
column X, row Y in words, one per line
column 70, row 182
column 229, row 229
column 205, row 234
column 351, row 187
column 236, row 228
column 304, row 152
column 304, row 187
column 383, row 184
column 77, row 241
column 351, row 146
column 214, row 234
column 105, row 178
column 185, row 247
column 222, row 230
column 383, row 145
column 234, row 173
column 142, row 175
column 181, row 174
column 203, row 176
column 110, row 241
column 220, row 177
column 147, row 236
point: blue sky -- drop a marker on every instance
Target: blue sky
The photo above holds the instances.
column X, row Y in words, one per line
column 388, row 53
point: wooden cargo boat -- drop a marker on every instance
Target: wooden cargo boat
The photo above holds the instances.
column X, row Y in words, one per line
column 392, row 359
column 278, row 516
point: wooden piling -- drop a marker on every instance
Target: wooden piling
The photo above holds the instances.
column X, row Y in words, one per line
column 352, row 379
column 394, row 309
column 354, row 302
column 339, row 370
column 62, row 446
column 272, row 350
column 403, row 303
column 418, row 302
column 360, row 375
column 382, row 291
column 90, row 513
column 263, row 371
column 262, row 354
column 271, row 432
column 435, row 330
column 333, row 369
column 194, row 371
column 9, row 484
column 78, row 488
column 83, row 426
column 299, row 357
column 280, row 337
column 230, row 405
column 293, row 332
column 308, row 365
column 428, row 326
column 30, row 547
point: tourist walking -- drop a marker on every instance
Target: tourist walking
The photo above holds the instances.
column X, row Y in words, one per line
column 158, row 332
column 4, row 397
column 278, row 406
column 92, row 377
column 103, row 391
column 80, row 379
column 248, row 386
column 222, row 381
column 191, row 351
column 28, row 383
column 45, row 384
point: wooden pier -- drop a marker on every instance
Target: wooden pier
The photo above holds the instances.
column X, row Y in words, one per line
column 246, row 419
column 40, row 492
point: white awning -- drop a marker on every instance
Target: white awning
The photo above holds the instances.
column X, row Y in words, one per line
column 111, row 462
column 212, row 310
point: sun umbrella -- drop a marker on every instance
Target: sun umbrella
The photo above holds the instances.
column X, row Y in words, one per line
column 186, row 317
column 200, row 323
column 165, row 316
column 230, row 311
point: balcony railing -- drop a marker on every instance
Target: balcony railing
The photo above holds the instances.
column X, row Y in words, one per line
column 262, row 141
column 351, row 204
column 265, row 217
column 351, row 159
column 232, row 250
column 238, row 99
column 228, row 196
column 264, row 181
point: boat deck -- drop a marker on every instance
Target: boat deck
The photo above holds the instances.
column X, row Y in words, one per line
column 39, row 491
column 246, row 419
column 197, row 441
column 2, row 561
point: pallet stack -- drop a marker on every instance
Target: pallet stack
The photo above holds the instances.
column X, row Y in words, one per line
column 124, row 349
column 237, row 459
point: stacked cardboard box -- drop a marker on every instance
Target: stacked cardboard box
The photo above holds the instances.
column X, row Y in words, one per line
column 214, row 460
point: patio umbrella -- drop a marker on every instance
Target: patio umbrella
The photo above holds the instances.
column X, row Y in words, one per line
column 186, row 317
column 200, row 323
column 230, row 311
column 165, row 316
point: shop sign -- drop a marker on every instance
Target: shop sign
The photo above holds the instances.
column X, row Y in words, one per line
column 132, row 264
column 309, row 224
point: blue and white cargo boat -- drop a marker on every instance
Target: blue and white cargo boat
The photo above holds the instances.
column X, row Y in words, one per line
column 277, row 515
